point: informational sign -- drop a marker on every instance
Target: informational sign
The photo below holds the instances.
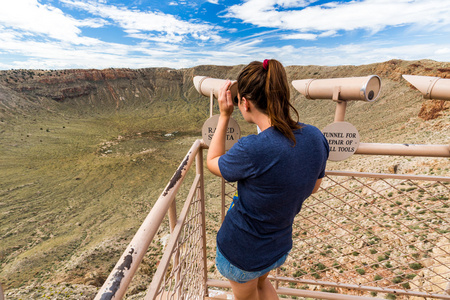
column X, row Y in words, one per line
column 233, row 131
column 343, row 139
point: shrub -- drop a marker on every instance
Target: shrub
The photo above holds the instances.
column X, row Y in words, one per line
column 397, row 279
column 299, row 273
column 377, row 277
column 382, row 257
column 416, row 266
column 320, row 266
column 330, row 290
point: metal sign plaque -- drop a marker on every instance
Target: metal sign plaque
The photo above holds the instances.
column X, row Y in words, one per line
column 343, row 139
column 233, row 131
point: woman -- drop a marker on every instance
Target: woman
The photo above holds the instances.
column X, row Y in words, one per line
column 276, row 171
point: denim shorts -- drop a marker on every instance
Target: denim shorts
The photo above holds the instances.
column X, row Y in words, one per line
column 233, row 273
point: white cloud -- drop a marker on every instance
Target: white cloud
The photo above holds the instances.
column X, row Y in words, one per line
column 36, row 18
column 168, row 38
column 148, row 24
column 371, row 15
column 31, row 19
column 299, row 36
column 442, row 50
column 328, row 33
column 92, row 23
column 360, row 54
column 245, row 47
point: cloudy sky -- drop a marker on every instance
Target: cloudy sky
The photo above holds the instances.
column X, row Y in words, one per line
column 61, row 34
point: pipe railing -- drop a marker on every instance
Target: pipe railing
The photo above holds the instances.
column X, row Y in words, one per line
column 403, row 149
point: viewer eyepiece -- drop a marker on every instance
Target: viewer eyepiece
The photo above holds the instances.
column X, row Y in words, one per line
column 206, row 85
column 351, row 88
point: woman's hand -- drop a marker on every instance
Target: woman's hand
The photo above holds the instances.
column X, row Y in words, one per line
column 217, row 145
column 225, row 102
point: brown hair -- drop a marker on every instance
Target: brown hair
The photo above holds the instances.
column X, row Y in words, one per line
column 266, row 86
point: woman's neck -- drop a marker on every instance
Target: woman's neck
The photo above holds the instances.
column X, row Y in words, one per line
column 262, row 120
column 254, row 115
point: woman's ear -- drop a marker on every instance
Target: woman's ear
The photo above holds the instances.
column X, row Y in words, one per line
column 245, row 103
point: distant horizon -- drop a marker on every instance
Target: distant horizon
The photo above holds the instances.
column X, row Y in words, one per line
column 161, row 67
column 102, row 34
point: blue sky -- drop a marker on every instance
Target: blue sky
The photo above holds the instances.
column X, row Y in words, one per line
column 63, row 34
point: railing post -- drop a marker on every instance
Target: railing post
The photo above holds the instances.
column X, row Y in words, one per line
column 341, row 105
column 201, row 194
column 172, row 223
column 172, row 215
column 211, row 103
column 276, row 278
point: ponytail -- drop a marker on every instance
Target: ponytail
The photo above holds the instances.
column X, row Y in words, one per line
column 266, row 85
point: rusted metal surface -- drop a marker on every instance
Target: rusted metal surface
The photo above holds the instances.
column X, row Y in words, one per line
column 119, row 274
column 177, row 176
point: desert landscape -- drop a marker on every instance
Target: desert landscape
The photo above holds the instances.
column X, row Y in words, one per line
column 85, row 153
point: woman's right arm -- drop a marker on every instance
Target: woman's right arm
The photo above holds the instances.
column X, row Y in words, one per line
column 217, row 145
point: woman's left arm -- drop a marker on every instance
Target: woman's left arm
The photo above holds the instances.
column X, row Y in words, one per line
column 317, row 185
column 217, row 146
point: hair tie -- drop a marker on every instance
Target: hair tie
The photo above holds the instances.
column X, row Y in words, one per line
column 266, row 64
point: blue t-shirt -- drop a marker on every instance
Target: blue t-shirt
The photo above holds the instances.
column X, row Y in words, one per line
column 274, row 178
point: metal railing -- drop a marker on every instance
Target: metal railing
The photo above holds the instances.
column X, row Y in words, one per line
column 185, row 250
column 362, row 236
